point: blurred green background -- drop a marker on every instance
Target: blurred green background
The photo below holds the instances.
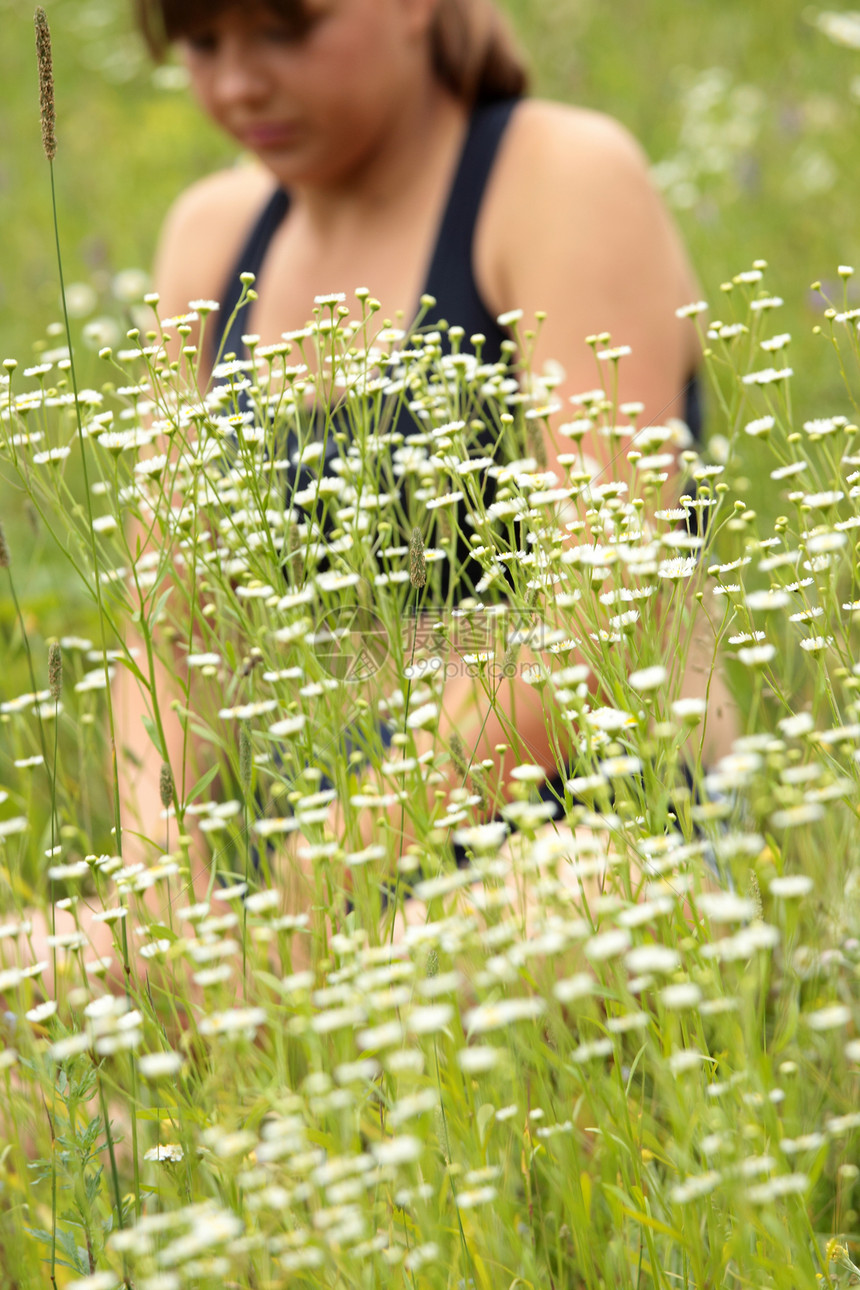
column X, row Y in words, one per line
column 747, row 109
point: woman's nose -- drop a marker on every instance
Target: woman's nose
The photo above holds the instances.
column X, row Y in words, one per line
column 238, row 76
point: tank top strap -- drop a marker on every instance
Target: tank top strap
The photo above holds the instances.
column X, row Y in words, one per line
column 450, row 278
column 249, row 260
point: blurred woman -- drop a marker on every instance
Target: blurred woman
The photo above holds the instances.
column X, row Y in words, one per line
column 395, row 148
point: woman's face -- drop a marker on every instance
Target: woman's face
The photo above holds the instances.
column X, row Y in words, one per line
column 311, row 105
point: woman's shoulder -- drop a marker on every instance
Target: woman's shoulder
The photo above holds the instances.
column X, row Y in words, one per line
column 560, row 140
column 566, row 173
column 574, row 226
column 572, row 196
column 203, row 231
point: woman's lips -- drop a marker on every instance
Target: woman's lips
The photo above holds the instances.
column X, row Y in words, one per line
column 277, row 135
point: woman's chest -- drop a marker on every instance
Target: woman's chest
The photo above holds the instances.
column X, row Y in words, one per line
column 391, row 258
column 296, row 272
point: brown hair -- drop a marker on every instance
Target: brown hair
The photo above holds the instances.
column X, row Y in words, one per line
column 474, row 53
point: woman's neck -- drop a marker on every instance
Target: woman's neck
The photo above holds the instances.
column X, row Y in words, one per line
column 423, row 138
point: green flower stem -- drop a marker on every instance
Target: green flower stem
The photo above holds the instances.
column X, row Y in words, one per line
column 96, row 569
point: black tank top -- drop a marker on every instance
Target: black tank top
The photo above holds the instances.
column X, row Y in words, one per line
column 451, row 282
column 450, row 277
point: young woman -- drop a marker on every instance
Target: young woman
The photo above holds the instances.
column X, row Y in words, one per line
column 395, row 149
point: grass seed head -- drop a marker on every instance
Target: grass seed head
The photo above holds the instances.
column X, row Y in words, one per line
column 165, row 785
column 5, row 558
column 479, row 784
column 46, row 83
column 458, row 753
column 417, row 563
column 55, row 671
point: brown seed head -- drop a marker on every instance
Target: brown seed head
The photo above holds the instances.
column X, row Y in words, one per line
column 458, row 753
column 417, row 563
column 479, row 783
column 5, row 558
column 165, row 785
column 55, row 671
column 46, row 82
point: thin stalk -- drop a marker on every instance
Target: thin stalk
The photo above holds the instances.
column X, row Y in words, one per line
column 53, row 774
column 111, row 1152
column 20, row 616
column 98, row 592
column 463, row 1241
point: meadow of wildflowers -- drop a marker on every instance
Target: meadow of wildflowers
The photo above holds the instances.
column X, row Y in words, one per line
column 619, row 1045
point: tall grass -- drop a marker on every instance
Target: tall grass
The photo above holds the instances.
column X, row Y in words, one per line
column 617, row 1047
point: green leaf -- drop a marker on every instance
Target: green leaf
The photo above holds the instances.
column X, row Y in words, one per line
column 39, row 1234
column 157, row 612
column 152, row 730
column 159, row 932
column 585, row 1185
column 204, row 733
column 61, row 1263
column 485, row 1114
column 66, row 1242
column 203, row 782
column 647, row 1221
